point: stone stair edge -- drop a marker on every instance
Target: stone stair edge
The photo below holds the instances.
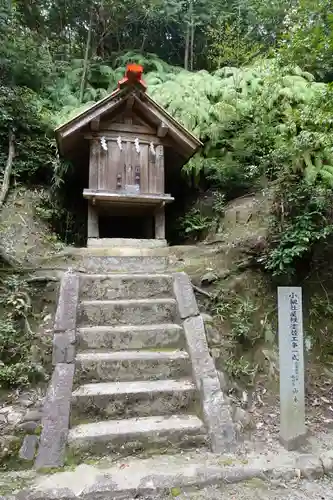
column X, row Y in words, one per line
column 129, row 328
column 122, row 252
column 130, row 275
column 134, row 425
column 142, row 354
column 134, row 387
column 167, row 300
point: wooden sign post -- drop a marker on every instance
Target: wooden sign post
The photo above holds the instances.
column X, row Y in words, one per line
column 291, row 354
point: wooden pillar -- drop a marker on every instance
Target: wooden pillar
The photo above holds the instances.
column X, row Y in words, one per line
column 148, row 229
column 94, row 163
column 160, row 223
column 93, row 230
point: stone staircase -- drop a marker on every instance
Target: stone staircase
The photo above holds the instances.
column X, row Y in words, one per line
column 130, row 380
column 134, row 380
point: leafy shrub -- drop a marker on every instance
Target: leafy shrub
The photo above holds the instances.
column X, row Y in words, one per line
column 16, row 366
column 239, row 368
column 219, row 204
column 239, row 312
column 21, row 110
column 194, row 225
column 301, row 218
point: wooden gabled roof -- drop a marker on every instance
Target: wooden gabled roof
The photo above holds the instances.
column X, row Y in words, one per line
column 70, row 134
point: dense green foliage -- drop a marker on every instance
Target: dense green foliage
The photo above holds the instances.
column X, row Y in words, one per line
column 251, row 80
column 17, row 364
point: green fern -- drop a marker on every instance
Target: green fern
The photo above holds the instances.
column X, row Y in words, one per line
column 263, row 114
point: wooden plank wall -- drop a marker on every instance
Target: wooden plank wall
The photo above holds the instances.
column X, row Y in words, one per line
column 156, row 171
column 111, row 170
column 144, row 168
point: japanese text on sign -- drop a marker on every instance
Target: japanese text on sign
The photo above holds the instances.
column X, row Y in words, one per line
column 294, row 332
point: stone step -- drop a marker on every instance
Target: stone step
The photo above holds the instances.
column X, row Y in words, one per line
column 136, row 434
column 125, row 286
column 122, row 366
column 125, row 243
column 104, row 261
column 134, row 399
column 126, row 312
column 119, row 338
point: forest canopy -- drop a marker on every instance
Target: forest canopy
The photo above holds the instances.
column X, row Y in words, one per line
column 251, row 79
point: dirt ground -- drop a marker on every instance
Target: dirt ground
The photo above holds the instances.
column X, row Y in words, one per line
column 256, row 490
column 263, row 409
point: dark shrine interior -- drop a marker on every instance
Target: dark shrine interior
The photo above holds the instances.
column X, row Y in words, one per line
column 130, row 226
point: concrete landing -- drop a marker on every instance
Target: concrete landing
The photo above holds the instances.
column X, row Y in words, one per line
column 124, row 242
column 165, row 476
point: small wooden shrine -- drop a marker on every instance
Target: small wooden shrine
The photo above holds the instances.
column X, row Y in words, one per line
column 132, row 142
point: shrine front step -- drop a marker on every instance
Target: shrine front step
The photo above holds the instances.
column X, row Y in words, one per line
column 125, row 286
column 127, row 312
column 137, row 434
column 125, row 243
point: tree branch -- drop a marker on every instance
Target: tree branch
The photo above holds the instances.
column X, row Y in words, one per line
column 202, row 292
column 8, row 169
column 42, row 279
column 86, row 57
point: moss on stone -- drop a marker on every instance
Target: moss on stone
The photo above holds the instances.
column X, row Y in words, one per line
column 10, row 484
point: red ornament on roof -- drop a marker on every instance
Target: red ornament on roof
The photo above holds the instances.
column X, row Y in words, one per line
column 133, row 77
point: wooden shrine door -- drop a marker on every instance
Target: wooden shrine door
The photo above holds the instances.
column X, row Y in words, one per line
column 129, row 167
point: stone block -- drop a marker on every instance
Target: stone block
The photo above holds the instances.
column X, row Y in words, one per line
column 217, row 415
column 65, row 318
column 29, row 447
column 30, row 426
column 310, row 466
column 183, row 290
column 64, row 347
column 216, row 408
column 327, row 461
column 55, row 420
column 202, row 362
column 32, row 415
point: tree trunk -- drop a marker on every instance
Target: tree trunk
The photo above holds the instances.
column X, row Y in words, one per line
column 192, row 45
column 143, row 42
column 8, row 169
column 86, row 56
column 187, row 47
column 188, row 37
